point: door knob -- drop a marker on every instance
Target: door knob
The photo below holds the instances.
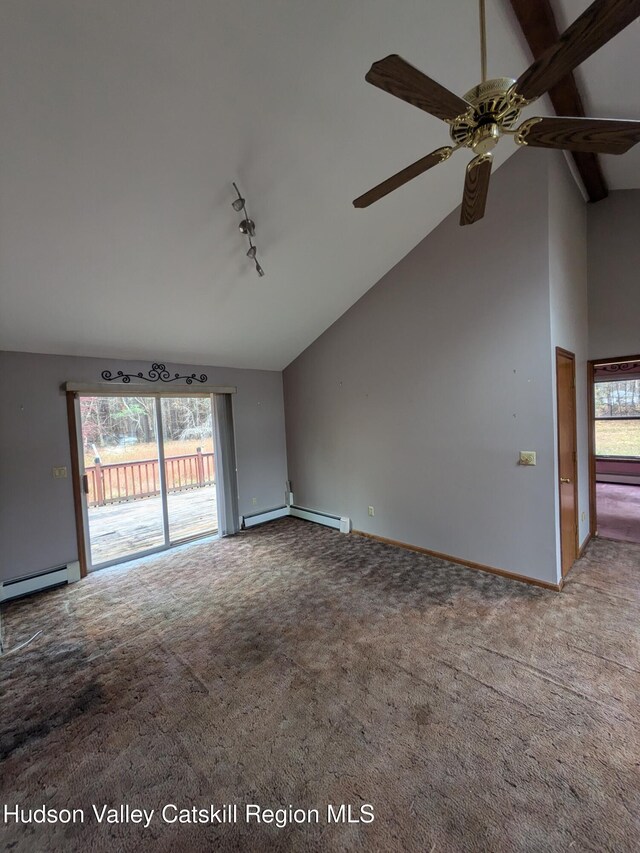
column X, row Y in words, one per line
column 565, row 480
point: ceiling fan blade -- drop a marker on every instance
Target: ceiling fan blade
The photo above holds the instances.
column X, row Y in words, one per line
column 600, row 22
column 394, row 75
column 402, row 177
column 596, row 135
column 476, row 188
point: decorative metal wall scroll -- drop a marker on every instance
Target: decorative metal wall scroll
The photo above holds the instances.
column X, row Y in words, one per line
column 602, row 370
column 157, row 373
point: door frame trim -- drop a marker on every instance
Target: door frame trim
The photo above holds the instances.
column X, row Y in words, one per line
column 591, row 384
column 76, row 477
column 560, row 351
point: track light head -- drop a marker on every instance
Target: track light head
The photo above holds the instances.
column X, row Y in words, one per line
column 259, row 270
column 238, row 204
column 248, row 226
column 252, row 252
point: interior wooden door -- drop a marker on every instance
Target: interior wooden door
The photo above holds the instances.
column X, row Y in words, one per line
column 567, row 465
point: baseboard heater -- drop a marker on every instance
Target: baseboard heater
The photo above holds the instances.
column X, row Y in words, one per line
column 264, row 516
column 343, row 524
column 627, row 479
column 40, row 581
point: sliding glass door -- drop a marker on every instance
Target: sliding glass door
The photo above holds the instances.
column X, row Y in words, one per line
column 187, row 427
column 148, row 473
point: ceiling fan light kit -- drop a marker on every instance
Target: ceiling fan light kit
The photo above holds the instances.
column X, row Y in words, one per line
column 490, row 110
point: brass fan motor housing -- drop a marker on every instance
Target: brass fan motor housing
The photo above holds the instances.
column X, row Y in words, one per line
column 495, row 110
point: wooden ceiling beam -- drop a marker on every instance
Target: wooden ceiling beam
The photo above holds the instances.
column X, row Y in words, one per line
column 538, row 24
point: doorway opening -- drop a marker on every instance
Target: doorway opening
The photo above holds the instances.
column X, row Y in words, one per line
column 148, row 473
column 614, row 391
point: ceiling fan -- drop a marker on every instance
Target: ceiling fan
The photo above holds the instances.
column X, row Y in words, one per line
column 491, row 109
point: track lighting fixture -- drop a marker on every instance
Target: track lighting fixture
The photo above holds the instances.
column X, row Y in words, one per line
column 247, row 227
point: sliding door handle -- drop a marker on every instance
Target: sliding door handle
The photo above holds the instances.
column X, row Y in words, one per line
column 565, row 480
column 85, row 483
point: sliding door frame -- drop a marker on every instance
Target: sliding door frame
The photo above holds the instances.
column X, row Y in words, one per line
column 73, row 393
column 77, row 474
column 164, row 496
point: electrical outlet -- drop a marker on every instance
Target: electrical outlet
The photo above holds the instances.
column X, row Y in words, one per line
column 254, row 501
column 372, row 511
column 59, row 473
column 527, row 457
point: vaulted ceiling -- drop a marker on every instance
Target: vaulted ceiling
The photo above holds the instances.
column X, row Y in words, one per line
column 124, row 124
column 608, row 82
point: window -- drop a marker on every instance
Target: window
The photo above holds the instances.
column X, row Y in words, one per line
column 617, row 409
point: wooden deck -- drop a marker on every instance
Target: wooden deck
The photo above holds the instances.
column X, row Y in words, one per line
column 121, row 530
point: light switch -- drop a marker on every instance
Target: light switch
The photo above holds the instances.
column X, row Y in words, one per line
column 527, row 457
column 59, row 473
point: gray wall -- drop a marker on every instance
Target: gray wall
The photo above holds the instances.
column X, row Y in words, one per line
column 37, row 528
column 614, row 285
column 418, row 399
column 569, row 312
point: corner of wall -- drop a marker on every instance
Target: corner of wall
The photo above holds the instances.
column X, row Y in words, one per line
column 569, row 319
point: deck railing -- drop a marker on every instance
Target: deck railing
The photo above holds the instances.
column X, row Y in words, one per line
column 115, row 482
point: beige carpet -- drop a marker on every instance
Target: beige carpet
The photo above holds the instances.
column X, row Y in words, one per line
column 295, row 665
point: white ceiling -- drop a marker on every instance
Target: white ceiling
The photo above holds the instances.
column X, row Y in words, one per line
column 124, row 124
